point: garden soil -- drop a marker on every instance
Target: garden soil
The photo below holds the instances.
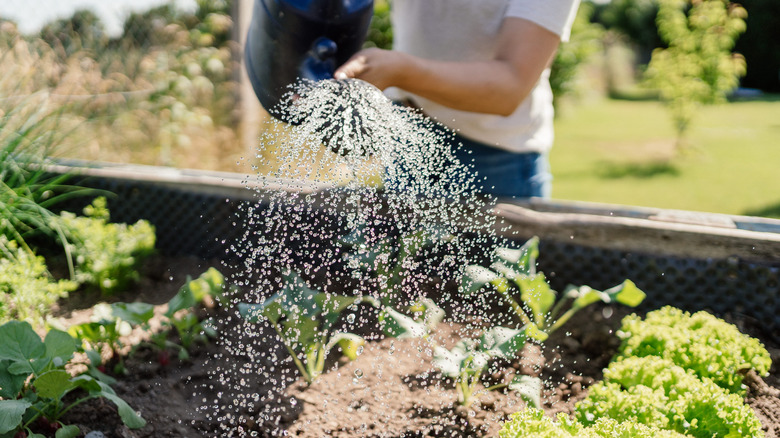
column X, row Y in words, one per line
column 390, row 390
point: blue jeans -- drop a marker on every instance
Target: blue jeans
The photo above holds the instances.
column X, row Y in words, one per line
column 505, row 174
column 493, row 171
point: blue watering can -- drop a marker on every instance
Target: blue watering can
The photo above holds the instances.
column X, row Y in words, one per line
column 293, row 39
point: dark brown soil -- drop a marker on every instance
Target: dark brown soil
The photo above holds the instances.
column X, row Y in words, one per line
column 391, row 390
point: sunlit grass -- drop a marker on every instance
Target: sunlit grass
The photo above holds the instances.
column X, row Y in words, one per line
column 622, row 152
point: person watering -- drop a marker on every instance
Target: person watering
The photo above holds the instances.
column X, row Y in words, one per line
column 481, row 68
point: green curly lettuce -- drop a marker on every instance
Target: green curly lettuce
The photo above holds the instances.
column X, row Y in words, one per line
column 654, row 391
column 108, row 255
column 532, row 423
column 702, row 343
column 27, row 289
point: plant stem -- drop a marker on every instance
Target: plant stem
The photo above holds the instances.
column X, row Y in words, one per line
column 502, row 288
column 294, row 356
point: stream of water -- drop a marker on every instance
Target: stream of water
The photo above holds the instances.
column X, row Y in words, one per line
column 379, row 194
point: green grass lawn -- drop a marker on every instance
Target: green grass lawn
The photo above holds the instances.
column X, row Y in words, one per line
column 623, row 152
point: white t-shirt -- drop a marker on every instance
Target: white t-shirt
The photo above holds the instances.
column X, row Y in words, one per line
column 466, row 30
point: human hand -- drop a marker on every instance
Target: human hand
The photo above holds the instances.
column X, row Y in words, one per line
column 381, row 68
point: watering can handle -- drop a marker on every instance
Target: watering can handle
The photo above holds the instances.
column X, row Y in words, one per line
column 320, row 62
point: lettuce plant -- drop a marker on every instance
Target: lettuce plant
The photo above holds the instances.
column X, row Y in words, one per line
column 655, row 391
column 702, row 343
column 108, row 255
column 27, row 289
column 34, row 382
column 513, row 273
column 532, row 423
column 304, row 319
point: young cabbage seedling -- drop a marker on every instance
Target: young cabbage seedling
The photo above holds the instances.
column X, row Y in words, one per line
column 467, row 360
column 304, row 319
column 110, row 322
column 34, row 382
column 389, row 259
column 202, row 291
column 513, row 271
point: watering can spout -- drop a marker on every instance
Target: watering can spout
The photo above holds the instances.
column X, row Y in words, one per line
column 290, row 40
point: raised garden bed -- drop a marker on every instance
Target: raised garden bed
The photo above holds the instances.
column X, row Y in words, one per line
column 391, row 389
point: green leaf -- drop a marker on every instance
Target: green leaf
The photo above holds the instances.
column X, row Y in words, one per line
column 627, row 293
column 183, row 299
column 59, row 345
column 585, row 296
column 502, row 342
column 11, row 412
column 349, row 343
column 533, row 332
column 10, row 384
column 398, row 325
column 537, row 294
column 475, row 277
column 53, row 384
column 522, row 260
column 134, row 313
column 20, row 345
column 432, row 314
column 270, row 309
column 448, row 361
column 69, row 431
column 529, row 388
column 129, row 417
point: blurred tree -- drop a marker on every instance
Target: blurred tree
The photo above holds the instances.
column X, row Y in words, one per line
column 82, row 31
column 697, row 67
column 380, row 32
column 634, row 19
column 585, row 41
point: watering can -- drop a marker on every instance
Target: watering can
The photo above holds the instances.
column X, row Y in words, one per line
column 293, row 39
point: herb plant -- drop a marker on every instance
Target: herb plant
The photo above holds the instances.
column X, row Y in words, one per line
column 27, row 289
column 304, row 319
column 702, row 343
column 108, row 255
column 532, row 423
column 513, row 273
column 655, row 391
column 34, row 382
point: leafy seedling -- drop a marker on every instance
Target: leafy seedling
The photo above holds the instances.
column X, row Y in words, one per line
column 202, row 291
column 34, row 382
column 110, row 322
column 469, row 358
column 513, row 273
column 304, row 319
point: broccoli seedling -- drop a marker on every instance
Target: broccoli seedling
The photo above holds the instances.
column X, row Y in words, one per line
column 513, row 273
column 304, row 320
